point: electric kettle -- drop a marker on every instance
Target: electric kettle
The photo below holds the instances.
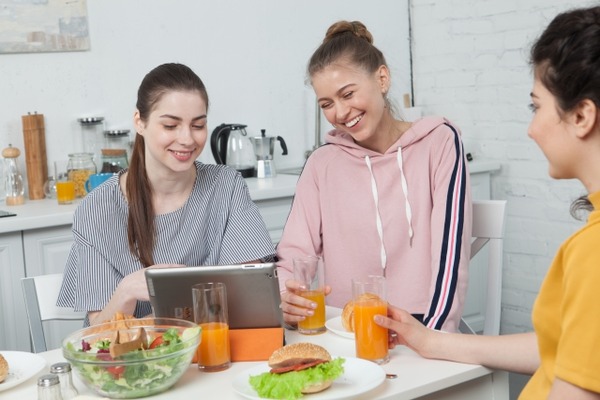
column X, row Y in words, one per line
column 231, row 146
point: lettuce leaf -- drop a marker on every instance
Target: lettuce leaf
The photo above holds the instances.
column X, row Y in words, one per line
column 290, row 384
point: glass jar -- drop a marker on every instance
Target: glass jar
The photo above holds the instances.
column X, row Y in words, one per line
column 79, row 169
column 92, row 135
column 114, row 160
column 14, row 189
column 116, row 139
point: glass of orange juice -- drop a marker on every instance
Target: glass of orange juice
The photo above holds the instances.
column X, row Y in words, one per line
column 65, row 191
column 210, row 312
column 309, row 272
column 369, row 297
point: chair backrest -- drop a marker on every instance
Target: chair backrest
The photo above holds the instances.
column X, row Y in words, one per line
column 40, row 294
column 488, row 230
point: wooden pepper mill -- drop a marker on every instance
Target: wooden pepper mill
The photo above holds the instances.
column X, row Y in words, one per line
column 35, row 154
column 13, row 181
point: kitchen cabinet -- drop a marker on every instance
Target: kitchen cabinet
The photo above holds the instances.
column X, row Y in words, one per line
column 13, row 319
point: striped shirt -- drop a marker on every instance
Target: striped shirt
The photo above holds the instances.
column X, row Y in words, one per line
column 218, row 224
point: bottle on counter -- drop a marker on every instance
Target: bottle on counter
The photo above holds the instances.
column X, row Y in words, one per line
column 63, row 371
column 48, row 387
column 13, row 180
column 79, row 169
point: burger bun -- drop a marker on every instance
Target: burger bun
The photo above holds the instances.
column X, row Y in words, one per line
column 297, row 353
column 348, row 311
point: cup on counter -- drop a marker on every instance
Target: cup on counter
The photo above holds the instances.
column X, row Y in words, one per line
column 210, row 313
column 309, row 271
column 65, row 190
column 369, row 297
column 96, row 180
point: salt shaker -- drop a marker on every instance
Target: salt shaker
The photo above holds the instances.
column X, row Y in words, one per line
column 49, row 387
column 63, row 371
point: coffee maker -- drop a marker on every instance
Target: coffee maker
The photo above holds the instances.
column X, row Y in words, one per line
column 264, row 146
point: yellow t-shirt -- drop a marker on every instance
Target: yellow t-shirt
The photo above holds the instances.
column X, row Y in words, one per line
column 566, row 314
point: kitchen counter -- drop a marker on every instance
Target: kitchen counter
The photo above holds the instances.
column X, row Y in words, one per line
column 47, row 212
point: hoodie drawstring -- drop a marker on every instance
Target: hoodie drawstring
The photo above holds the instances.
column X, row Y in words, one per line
column 405, row 190
column 376, row 200
column 377, row 215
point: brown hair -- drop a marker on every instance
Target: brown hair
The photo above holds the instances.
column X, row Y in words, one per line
column 350, row 41
column 566, row 59
column 141, row 231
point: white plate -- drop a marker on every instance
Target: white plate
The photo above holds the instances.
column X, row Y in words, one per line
column 335, row 326
column 359, row 376
column 21, row 367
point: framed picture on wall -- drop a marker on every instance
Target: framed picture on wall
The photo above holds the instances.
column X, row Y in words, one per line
column 28, row 26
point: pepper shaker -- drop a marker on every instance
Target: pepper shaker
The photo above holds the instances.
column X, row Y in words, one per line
column 63, row 371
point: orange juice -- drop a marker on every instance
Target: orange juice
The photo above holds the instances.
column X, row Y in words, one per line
column 371, row 339
column 213, row 351
column 65, row 192
column 316, row 322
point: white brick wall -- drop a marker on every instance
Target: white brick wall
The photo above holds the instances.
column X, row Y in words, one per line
column 470, row 64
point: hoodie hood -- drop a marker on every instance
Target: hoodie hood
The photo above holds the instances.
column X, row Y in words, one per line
column 419, row 129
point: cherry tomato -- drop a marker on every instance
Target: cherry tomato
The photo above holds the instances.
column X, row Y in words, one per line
column 159, row 341
column 116, row 371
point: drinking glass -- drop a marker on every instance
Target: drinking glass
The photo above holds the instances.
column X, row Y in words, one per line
column 210, row 312
column 64, row 186
column 369, row 297
column 309, row 272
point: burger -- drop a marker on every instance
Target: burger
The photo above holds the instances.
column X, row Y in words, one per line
column 3, row 368
column 296, row 369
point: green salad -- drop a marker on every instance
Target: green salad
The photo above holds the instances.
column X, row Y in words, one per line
column 138, row 373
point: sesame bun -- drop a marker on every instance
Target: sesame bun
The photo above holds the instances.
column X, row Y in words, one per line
column 348, row 311
column 293, row 354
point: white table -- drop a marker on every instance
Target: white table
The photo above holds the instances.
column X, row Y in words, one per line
column 417, row 377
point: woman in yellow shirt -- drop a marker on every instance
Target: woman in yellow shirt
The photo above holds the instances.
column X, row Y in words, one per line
column 563, row 353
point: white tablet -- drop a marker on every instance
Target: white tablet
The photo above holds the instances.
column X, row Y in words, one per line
column 252, row 292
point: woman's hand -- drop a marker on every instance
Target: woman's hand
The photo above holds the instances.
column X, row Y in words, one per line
column 135, row 283
column 404, row 329
column 295, row 307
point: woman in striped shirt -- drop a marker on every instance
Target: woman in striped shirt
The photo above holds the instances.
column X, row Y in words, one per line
column 166, row 210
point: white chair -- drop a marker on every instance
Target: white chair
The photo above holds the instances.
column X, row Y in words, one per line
column 40, row 294
column 488, row 229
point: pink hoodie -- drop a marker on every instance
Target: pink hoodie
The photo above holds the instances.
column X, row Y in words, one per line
column 405, row 214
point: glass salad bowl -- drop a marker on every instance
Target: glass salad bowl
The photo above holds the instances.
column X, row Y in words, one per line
column 134, row 357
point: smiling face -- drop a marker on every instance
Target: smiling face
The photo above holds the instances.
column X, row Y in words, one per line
column 175, row 132
column 553, row 133
column 353, row 100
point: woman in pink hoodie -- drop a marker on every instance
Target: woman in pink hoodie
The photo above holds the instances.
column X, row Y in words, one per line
column 383, row 197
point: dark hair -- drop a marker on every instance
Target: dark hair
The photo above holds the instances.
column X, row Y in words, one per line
column 350, row 41
column 566, row 59
column 141, row 233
